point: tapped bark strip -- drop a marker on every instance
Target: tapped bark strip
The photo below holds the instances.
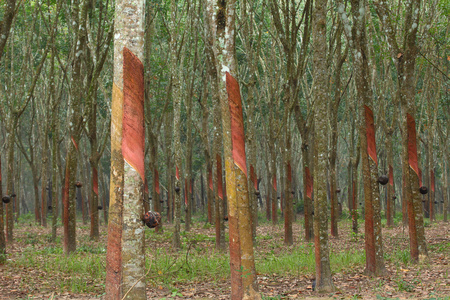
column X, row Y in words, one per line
column 370, row 134
column 307, row 182
column 156, row 181
column 247, row 269
column 133, row 143
column 288, row 238
column 237, row 123
column 412, row 146
column 133, row 108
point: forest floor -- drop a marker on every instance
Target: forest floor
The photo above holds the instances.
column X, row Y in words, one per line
column 38, row 269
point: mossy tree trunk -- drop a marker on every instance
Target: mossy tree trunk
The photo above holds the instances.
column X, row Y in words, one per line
column 324, row 283
column 79, row 17
column 175, row 66
column 288, row 187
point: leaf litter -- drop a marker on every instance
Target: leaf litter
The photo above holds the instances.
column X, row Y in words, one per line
column 428, row 279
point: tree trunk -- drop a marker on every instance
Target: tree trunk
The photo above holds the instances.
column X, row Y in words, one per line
column 2, row 222
column 324, row 283
column 390, row 187
column 10, row 179
column 237, row 189
column 176, row 98
column 288, row 189
column 8, row 18
column 125, row 254
column 445, row 190
column 218, row 180
column 44, row 173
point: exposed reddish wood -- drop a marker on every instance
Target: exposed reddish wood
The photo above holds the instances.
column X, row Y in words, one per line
column 237, row 124
column 309, row 185
column 432, row 179
column 391, row 175
column 241, row 201
column 133, row 108
column 235, row 257
column 412, row 145
column 113, row 286
column 210, row 183
column 253, row 177
column 186, row 192
column 156, row 182
column 74, row 143
column 114, row 260
column 370, row 133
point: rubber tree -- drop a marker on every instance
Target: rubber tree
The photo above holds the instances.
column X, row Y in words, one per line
column 16, row 106
column 405, row 56
column 357, row 39
column 324, row 283
column 243, row 275
column 96, row 57
column 9, row 13
column 125, row 259
column 288, row 20
column 176, row 64
column 78, row 17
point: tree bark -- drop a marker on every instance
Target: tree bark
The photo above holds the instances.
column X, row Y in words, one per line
column 2, row 222
column 288, row 189
column 324, row 282
column 176, row 98
column 125, row 254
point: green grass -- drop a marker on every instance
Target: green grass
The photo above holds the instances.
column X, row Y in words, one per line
column 399, row 256
column 440, row 248
column 52, row 259
column 301, row 260
column 81, row 272
column 193, row 264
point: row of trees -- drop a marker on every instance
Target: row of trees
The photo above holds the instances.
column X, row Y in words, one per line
column 333, row 94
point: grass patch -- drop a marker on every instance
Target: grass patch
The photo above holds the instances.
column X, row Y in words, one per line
column 440, row 248
column 301, row 260
column 194, row 264
column 81, row 272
